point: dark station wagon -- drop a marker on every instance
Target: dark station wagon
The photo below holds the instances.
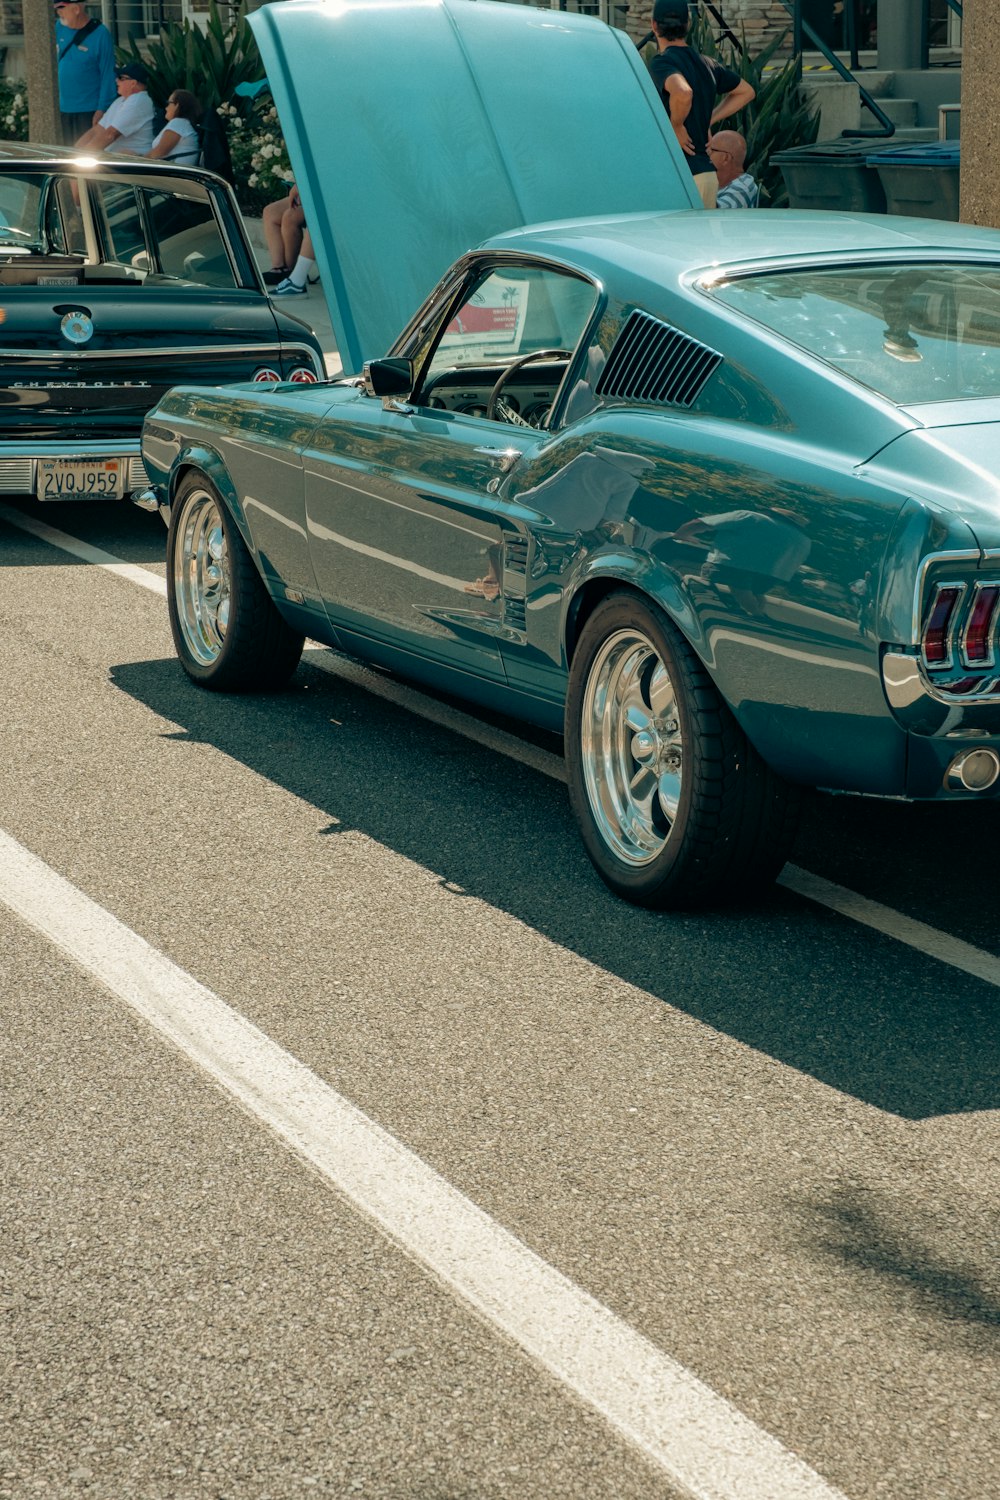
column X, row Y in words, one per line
column 120, row 278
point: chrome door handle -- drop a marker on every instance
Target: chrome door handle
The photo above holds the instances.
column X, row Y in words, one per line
column 505, row 457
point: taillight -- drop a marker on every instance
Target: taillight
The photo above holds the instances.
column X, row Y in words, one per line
column 302, row 375
column 977, row 643
column 266, row 376
column 936, row 639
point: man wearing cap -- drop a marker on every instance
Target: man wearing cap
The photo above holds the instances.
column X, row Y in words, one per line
column 86, row 68
column 690, row 86
column 127, row 124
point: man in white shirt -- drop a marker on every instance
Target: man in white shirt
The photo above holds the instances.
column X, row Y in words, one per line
column 127, row 124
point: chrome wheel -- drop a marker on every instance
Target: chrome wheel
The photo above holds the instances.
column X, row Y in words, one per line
column 202, row 578
column 631, row 750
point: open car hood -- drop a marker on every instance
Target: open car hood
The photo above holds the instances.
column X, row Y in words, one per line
column 418, row 128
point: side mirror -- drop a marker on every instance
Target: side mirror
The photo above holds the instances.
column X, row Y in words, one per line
column 388, row 377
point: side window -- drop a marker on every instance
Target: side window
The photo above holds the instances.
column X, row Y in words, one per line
column 511, row 311
column 117, row 207
column 189, row 241
column 509, row 314
column 63, row 224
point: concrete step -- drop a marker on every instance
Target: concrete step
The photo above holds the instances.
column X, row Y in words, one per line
column 902, row 112
column 907, row 137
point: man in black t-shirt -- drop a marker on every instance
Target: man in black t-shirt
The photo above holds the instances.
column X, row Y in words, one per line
column 689, row 86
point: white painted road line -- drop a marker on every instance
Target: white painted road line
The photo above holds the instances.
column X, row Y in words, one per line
column 893, row 924
column 707, row 1447
column 84, row 551
column 847, row 903
column 442, row 714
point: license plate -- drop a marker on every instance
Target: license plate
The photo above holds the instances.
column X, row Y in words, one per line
column 79, row 479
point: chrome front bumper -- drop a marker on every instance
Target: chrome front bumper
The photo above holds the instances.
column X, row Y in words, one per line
column 19, row 461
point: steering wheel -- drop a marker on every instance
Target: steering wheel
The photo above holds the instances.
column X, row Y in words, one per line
column 497, row 408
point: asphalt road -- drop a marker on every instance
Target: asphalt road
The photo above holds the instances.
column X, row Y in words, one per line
column 765, row 1143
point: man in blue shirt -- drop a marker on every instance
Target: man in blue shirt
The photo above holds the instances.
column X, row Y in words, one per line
column 87, row 84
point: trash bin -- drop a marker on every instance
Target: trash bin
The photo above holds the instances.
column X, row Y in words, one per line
column 921, row 179
column 834, row 174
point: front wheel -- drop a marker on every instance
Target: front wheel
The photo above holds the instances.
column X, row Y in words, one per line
column 227, row 631
column 675, row 807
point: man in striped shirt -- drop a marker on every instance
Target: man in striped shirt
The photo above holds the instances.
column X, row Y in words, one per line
column 737, row 189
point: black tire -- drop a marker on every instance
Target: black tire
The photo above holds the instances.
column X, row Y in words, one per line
column 710, row 822
column 227, row 631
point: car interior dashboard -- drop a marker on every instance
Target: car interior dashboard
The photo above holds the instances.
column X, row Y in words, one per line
column 528, row 392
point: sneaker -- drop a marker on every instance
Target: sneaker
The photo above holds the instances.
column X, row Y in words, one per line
column 287, row 288
column 275, row 275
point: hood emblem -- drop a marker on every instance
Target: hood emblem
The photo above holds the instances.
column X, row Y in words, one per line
column 77, row 327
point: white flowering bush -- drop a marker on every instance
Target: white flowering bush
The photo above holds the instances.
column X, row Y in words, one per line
column 260, row 159
column 13, row 110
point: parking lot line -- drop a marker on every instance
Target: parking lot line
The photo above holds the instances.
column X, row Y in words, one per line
column 847, row 903
column 696, row 1437
column 893, row 924
column 95, row 556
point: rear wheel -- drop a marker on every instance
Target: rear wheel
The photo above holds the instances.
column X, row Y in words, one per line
column 675, row 807
column 228, row 634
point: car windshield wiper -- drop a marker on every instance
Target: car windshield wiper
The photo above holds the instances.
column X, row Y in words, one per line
column 18, row 239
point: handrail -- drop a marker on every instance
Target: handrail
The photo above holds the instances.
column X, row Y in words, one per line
column 803, row 29
column 794, row 7
column 724, row 29
column 956, row 6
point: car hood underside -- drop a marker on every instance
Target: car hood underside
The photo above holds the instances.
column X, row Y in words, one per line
column 454, row 121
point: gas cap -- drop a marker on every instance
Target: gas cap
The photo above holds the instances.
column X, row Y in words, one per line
column 77, row 326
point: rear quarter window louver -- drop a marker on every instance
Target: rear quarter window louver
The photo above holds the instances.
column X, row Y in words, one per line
column 650, row 361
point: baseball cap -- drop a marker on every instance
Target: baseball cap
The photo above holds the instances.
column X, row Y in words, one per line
column 670, row 10
column 134, row 70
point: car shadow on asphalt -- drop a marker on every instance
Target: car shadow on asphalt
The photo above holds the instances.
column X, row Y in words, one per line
column 864, row 1014
column 129, row 534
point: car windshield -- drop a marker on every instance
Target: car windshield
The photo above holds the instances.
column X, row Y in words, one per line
column 914, row 333
column 20, row 211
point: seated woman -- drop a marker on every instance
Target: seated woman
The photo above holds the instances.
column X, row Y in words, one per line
column 283, row 222
column 178, row 140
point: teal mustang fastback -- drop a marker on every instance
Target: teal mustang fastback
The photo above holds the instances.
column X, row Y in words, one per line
column 714, row 493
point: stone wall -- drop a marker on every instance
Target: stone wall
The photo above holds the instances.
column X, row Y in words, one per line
column 980, row 185
column 760, row 20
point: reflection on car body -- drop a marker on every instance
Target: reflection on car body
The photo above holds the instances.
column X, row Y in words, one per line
column 119, row 277
column 719, row 502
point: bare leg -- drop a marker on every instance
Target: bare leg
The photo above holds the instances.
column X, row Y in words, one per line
column 292, row 221
column 272, row 219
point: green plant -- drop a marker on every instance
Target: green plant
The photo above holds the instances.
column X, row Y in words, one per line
column 13, row 110
column 777, row 118
column 261, row 169
column 209, row 63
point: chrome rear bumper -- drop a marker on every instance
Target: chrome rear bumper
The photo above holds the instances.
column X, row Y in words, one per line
column 19, row 461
